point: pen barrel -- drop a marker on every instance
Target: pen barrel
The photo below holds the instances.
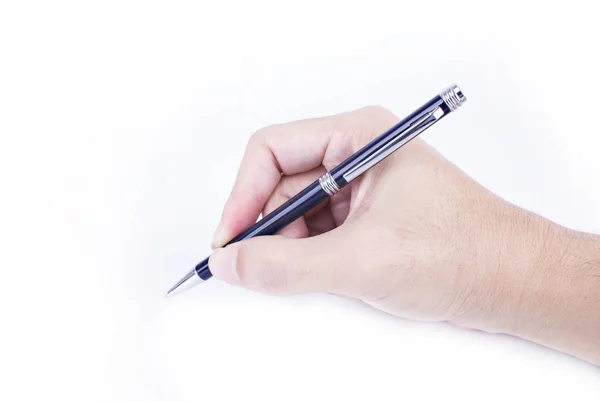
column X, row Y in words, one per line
column 374, row 152
column 291, row 210
column 332, row 182
column 446, row 102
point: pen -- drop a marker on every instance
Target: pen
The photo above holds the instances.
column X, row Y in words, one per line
column 447, row 101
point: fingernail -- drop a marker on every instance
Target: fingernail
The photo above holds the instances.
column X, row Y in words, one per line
column 219, row 237
column 222, row 264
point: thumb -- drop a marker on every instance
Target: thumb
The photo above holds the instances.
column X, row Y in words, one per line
column 279, row 265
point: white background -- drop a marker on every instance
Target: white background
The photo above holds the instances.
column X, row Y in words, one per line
column 122, row 124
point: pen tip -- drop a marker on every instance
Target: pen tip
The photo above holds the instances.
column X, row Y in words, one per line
column 189, row 280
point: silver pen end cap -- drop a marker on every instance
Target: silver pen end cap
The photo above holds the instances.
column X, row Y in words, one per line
column 453, row 97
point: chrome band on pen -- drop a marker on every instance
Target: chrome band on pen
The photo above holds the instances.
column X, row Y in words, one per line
column 329, row 185
column 453, row 97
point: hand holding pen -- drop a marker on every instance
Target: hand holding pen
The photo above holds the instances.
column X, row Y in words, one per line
column 412, row 235
column 330, row 183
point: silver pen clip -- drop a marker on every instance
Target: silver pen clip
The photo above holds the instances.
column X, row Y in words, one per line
column 409, row 133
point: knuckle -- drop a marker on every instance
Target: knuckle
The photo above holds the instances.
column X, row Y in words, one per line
column 378, row 114
column 261, row 136
column 377, row 111
column 366, row 122
column 286, row 188
column 256, row 139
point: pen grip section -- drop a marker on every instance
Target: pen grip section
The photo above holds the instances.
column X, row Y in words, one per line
column 270, row 224
column 291, row 210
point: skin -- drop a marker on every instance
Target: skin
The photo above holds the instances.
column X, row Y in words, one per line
column 421, row 239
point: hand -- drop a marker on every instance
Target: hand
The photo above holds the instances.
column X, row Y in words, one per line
column 414, row 236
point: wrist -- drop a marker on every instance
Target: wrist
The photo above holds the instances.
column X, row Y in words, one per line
column 544, row 286
column 562, row 310
column 511, row 245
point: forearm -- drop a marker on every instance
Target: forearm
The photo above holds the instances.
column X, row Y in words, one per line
column 562, row 301
column 549, row 292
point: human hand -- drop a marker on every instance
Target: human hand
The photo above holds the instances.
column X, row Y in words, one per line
column 414, row 236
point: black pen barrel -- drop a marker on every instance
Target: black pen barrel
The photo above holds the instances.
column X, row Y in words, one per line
column 291, row 210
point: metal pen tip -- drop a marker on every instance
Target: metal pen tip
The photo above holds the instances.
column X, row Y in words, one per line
column 188, row 281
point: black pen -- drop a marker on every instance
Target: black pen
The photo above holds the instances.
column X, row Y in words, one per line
column 333, row 181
